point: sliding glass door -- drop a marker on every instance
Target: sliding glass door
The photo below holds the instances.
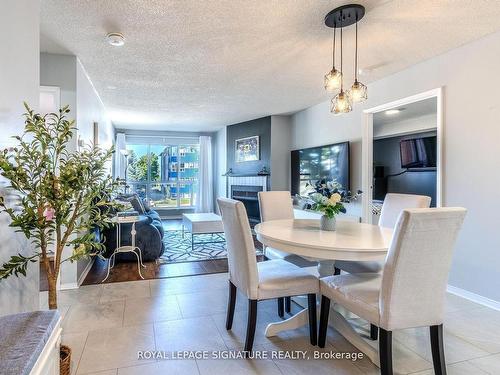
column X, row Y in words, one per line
column 164, row 174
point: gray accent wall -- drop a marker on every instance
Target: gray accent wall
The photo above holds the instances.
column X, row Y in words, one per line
column 275, row 134
column 280, row 152
column 19, row 81
column 260, row 127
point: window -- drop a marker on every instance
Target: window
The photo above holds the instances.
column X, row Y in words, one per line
column 165, row 175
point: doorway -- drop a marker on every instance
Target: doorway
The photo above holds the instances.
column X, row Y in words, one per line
column 402, row 143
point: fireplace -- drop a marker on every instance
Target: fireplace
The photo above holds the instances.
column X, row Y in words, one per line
column 248, row 195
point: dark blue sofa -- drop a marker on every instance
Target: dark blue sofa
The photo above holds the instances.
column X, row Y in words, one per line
column 149, row 236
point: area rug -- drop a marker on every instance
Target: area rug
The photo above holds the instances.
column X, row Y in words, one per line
column 207, row 247
column 179, row 249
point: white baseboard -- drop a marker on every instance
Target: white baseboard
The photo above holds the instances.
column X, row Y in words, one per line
column 85, row 271
column 474, row 297
column 67, row 286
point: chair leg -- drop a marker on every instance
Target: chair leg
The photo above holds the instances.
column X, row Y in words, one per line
column 373, row 332
column 385, row 351
column 437, row 346
column 313, row 323
column 231, row 303
column 281, row 307
column 336, row 271
column 323, row 320
column 251, row 323
column 288, row 305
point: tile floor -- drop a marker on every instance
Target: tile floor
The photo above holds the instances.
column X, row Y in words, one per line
column 106, row 325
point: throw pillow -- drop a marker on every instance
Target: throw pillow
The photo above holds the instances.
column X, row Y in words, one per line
column 136, row 203
column 146, row 205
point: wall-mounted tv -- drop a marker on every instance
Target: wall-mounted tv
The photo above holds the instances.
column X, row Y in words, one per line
column 330, row 162
column 418, row 153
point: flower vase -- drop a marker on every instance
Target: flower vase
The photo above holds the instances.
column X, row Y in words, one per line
column 327, row 223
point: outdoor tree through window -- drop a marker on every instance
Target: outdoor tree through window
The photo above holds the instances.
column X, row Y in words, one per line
column 165, row 175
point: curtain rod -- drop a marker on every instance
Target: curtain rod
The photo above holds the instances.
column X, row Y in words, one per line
column 162, row 136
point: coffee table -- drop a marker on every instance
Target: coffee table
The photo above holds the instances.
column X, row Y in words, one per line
column 206, row 223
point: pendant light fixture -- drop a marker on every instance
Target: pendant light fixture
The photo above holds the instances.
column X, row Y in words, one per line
column 357, row 93
column 341, row 17
column 333, row 78
column 341, row 103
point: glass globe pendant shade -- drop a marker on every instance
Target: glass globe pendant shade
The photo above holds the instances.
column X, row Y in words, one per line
column 358, row 92
column 333, row 80
column 341, row 103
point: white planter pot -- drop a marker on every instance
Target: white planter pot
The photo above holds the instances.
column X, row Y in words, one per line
column 327, row 223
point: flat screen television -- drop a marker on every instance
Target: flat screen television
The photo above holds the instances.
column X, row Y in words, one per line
column 309, row 165
column 418, row 153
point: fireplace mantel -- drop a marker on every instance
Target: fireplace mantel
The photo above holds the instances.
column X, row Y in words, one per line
column 249, row 180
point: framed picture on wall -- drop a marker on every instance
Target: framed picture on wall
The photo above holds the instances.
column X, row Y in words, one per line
column 247, row 149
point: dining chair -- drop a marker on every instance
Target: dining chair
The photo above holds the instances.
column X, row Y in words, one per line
column 260, row 281
column 393, row 205
column 410, row 292
column 277, row 205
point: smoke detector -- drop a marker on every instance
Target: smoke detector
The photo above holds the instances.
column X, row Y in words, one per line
column 115, row 39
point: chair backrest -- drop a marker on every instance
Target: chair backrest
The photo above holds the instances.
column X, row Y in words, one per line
column 395, row 203
column 416, row 271
column 240, row 247
column 275, row 205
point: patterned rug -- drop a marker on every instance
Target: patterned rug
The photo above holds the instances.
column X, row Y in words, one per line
column 206, row 247
column 179, row 249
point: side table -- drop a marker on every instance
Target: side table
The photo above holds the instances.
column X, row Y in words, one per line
column 119, row 220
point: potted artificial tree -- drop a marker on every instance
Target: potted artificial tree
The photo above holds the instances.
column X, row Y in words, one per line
column 62, row 195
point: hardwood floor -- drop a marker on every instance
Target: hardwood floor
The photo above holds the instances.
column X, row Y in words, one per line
column 127, row 271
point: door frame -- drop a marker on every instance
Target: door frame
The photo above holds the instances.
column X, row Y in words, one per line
column 367, row 147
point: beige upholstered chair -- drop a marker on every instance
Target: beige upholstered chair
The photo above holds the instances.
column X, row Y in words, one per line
column 277, row 205
column 260, row 281
column 392, row 207
column 410, row 292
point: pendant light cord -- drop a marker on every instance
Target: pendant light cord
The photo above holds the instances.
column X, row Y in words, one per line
column 341, row 58
column 333, row 48
column 356, row 55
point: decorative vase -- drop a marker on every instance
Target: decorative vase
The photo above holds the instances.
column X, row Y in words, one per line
column 327, row 223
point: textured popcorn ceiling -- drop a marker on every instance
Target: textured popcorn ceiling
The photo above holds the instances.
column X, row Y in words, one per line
column 200, row 65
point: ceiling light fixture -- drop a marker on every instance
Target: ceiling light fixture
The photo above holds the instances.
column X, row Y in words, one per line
column 391, row 112
column 341, row 103
column 115, row 39
column 341, row 17
column 334, row 77
column 357, row 93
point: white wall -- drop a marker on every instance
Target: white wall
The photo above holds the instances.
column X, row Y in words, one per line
column 60, row 71
column 220, row 156
column 19, row 81
column 471, row 148
column 90, row 109
column 77, row 91
column 281, row 127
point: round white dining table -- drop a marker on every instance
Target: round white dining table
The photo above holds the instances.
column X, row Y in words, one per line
column 350, row 241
